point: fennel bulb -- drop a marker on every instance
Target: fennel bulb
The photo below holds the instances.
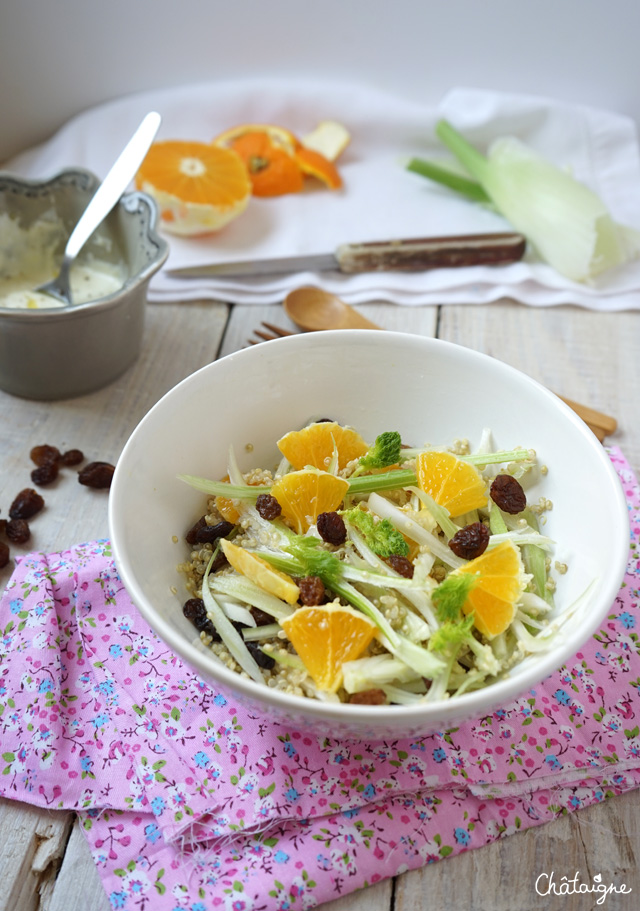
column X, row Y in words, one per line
column 566, row 222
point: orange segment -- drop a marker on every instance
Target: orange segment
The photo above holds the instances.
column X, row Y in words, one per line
column 499, row 583
column 259, row 571
column 314, row 445
column 199, row 188
column 225, row 506
column 303, row 495
column 453, row 483
column 314, row 164
column 325, row 637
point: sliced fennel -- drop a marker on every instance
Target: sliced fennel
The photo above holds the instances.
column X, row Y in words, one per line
column 408, row 526
column 245, row 590
column 228, row 633
column 371, row 673
column 421, row 652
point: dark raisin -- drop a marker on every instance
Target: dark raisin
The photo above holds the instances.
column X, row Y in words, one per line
column 210, row 630
column 209, row 534
column 97, row 475
column 193, row 608
column 71, row 457
column 3, row 526
column 261, row 659
column 312, row 591
column 18, row 531
column 195, row 611
column 26, row 504
column 268, row 506
column 45, row 474
column 190, row 536
column 507, row 493
column 470, row 541
column 219, row 561
column 402, row 565
column 331, row 528
column 41, row 455
column 324, row 421
column 369, row 697
column 260, row 616
column 4, row 554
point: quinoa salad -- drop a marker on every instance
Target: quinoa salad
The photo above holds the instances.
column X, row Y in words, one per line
column 373, row 572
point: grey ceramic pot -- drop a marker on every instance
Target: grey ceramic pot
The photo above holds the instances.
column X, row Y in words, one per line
column 60, row 353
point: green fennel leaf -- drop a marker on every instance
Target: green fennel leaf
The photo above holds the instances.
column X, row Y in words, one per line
column 383, row 539
column 450, row 595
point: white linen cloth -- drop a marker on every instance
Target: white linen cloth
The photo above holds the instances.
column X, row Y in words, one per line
column 380, row 200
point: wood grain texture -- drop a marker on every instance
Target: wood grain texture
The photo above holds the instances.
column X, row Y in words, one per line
column 592, row 358
column 78, row 886
column 31, row 852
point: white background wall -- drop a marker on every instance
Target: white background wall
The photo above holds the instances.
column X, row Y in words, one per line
column 59, row 57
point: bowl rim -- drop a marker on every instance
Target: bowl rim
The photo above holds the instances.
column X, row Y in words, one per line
column 469, row 704
column 133, row 199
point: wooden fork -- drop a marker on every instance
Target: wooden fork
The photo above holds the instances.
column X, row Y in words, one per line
column 274, row 332
column 601, row 424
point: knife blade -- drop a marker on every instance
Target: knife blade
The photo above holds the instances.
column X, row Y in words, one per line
column 411, row 255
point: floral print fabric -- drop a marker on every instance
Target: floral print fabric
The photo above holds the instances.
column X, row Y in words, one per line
column 188, row 801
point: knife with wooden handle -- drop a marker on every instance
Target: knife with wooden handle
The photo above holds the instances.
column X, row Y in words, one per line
column 411, row 255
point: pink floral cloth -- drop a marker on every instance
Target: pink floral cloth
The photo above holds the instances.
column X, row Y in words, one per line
column 190, row 802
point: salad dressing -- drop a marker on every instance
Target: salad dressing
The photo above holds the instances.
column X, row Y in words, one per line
column 28, row 259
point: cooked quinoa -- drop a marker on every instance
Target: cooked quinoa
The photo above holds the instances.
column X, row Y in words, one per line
column 280, row 666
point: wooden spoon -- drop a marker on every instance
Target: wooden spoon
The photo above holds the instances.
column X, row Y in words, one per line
column 313, row 309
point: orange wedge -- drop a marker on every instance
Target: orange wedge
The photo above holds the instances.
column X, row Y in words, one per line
column 303, row 495
column 259, row 571
column 198, row 188
column 225, row 506
column 453, row 483
column 499, row 583
column 325, row 637
column 314, row 445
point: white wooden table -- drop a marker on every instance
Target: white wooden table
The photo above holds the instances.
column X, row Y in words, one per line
column 589, row 357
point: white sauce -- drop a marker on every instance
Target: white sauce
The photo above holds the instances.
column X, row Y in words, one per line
column 27, row 260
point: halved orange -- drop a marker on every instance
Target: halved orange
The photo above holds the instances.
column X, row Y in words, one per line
column 499, row 581
column 259, row 571
column 315, row 164
column 278, row 136
column 272, row 170
column 453, row 483
column 325, row 637
column 314, row 445
column 303, row 495
column 198, row 187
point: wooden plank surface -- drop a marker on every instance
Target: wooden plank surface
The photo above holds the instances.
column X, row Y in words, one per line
column 590, row 357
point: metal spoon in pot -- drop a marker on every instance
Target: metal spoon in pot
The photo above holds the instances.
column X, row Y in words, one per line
column 313, row 309
column 102, row 202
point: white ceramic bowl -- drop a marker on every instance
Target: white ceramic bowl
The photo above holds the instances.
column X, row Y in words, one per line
column 432, row 392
